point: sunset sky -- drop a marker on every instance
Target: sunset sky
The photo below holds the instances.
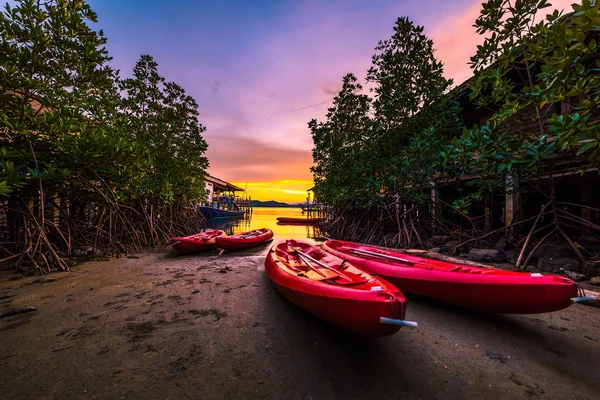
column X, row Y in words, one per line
column 261, row 69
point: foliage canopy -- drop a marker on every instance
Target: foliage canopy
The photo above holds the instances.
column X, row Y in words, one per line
column 68, row 119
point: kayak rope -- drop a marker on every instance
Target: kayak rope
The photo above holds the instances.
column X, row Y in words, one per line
column 392, row 307
column 580, row 290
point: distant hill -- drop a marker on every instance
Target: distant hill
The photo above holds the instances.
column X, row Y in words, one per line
column 272, row 203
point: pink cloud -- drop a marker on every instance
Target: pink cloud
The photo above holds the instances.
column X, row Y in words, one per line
column 456, row 39
column 244, row 159
column 258, row 126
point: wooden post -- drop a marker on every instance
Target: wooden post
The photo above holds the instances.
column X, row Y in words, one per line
column 436, row 210
column 513, row 199
column 435, row 195
column 56, row 206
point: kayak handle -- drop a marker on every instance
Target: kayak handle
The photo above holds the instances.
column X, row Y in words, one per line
column 174, row 243
column 401, row 322
column 583, row 299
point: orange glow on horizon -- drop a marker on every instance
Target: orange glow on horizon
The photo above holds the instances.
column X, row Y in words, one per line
column 287, row 191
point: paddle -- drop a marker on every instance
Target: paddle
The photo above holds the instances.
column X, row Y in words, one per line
column 210, row 236
column 249, row 234
column 319, row 263
column 309, row 265
column 374, row 254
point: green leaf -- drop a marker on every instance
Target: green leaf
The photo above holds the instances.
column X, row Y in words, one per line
column 587, row 147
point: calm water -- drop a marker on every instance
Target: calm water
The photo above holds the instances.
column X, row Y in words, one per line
column 265, row 217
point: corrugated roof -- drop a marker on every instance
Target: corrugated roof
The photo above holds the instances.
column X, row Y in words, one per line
column 221, row 182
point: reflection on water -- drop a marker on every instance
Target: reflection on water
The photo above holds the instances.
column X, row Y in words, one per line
column 264, row 217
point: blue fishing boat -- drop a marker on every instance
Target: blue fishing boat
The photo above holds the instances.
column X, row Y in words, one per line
column 210, row 212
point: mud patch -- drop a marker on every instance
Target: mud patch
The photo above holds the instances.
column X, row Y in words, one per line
column 16, row 311
column 177, row 367
column 530, row 389
column 558, row 328
column 557, row 352
column 164, row 283
column 82, row 332
column 180, row 275
column 496, row 356
column 14, row 323
column 150, row 348
column 180, row 365
column 140, row 330
column 206, row 312
column 142, row 294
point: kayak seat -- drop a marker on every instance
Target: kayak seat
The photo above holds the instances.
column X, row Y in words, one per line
column 329, row 275
column 344, row 282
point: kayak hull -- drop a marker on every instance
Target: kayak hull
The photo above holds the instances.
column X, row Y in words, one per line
column 482, row 289
column 244, row 240
column 210, row 213
column 305, row 221
column 346, row 307
column 199, row 242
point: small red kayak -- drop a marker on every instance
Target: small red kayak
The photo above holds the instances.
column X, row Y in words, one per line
column 483, row 289
column 198, row 242
column 292, row 220
column 335, row 290
column 245, row 240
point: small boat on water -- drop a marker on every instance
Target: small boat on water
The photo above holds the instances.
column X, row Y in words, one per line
column 335, row 290
column 245, row 240
column 294, row 220
column 210, row 212
column 476, row 288
column 312, row 207
column 199, row 242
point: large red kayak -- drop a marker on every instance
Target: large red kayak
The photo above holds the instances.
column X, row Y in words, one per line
column 483, row 289
column 293, row 220
column 198, row 242
column 244, row 240
column 335, row 290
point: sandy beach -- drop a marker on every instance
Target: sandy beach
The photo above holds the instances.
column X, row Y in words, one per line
column 212, row 326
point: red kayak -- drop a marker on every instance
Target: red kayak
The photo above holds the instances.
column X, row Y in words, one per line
column 335, row 290
column 483, row 289
column 292, row 220
column 245, row 240
column 198, row 242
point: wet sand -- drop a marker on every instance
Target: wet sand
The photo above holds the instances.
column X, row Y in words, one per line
column 212, row 327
